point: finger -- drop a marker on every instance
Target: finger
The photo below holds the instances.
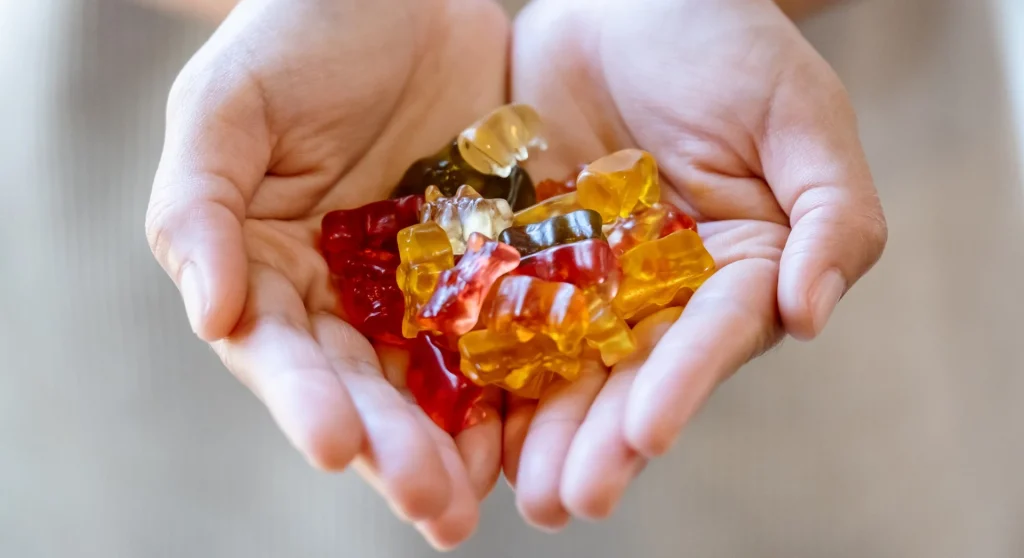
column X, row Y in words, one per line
column 216, row 151
column 518, row 414
column 729, row 320
column 558, row 417
column 275, row 355
column 600, row 465
column 460, row 518
column 414, row 479
column 480, row 445
column 813, row 159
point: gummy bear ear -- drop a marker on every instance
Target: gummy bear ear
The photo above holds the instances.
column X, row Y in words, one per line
column 432, row 194
column 467, row 191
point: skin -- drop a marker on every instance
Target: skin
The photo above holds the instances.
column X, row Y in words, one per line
column 294, row 108
column 264, row 136
column 756, row 138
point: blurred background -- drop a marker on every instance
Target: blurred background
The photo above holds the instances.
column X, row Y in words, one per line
column 900, row 433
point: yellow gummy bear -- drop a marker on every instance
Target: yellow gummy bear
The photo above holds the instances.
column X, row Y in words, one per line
column 607, row 332
column 614, row 184
column 522, row 367
column 497, row 142
column 654, row 272
column 425, row 252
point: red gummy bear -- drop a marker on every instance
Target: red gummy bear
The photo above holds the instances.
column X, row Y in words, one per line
column 651, row 223
column 438, row 386
column 360, row 246
column 588, row 264
column 454, row 307
column 549, row 188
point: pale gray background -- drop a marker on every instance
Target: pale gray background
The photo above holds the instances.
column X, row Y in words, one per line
column 899, row 434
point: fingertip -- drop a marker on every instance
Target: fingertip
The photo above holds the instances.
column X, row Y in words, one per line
column 806, row 306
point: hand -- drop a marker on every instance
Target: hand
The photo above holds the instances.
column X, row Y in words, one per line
column 292, row 109
column 755, row 137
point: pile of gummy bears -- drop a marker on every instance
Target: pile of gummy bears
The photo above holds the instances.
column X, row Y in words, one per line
column 491, row 282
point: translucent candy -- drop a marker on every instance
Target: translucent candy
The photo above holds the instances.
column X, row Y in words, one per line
column 525, row 368
column 425, row 252
column 526, row 306
column 655, row 271
column 650, row 223
column 562, row 229
column 466, row 213
column 551, row 207
column 497, row 142
column 454, row 308
column 614, row 184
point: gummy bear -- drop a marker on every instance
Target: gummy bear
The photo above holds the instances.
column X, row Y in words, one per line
column 466, row 213
column 524, row 368
column 438, row 386
column 360, row 248
column 551, row 207
column 497, row 142
column 651, row 223
column 526, row 306
column 562, row 229
column 591, row 266
column 373, row 226
column 653, row 272
column 425, row 252
column 588, row 264
column 454, row 308
column 550, row 188
column 614, row 184
column 448, row 171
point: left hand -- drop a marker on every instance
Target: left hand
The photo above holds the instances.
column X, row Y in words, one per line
column 755, row 138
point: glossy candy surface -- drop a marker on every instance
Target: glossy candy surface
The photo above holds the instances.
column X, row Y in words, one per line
column 448, row 171
column 591, row 266
column 549, row 188
column 562, row 229
column 454, row 308
column 425, row 252
column 361, row 250
column 522, row 367
column 438, row 386
column 551, row 207
column 650, row 223
column 496, row 143
column 527, row 306
column 655, row 271
column 464, row 214
column 615, row 184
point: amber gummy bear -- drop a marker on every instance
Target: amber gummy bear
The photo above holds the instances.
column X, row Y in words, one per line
column 438, row 386
column 466, row 213
column 425, row 252
column 496, row 143
column 526, row 306
column 591, row 266
column 454, row 307
column 655, row 271
column 650, row 223
column 562, row 229
column 614, row 184
column 521, row 367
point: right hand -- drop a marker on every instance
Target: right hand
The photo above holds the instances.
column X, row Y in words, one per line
column 294, row 108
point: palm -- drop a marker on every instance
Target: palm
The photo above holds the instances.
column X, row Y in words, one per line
column 699, row 85
column 327, row 115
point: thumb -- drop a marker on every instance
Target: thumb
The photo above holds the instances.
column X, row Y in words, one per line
column 215, row 154
column 816, row 166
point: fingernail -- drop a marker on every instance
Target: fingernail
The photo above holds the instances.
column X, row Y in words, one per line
column 194, row 295
column 825, row 296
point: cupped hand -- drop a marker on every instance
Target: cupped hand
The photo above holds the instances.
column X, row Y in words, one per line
column 756, row 138
column 292, row 109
